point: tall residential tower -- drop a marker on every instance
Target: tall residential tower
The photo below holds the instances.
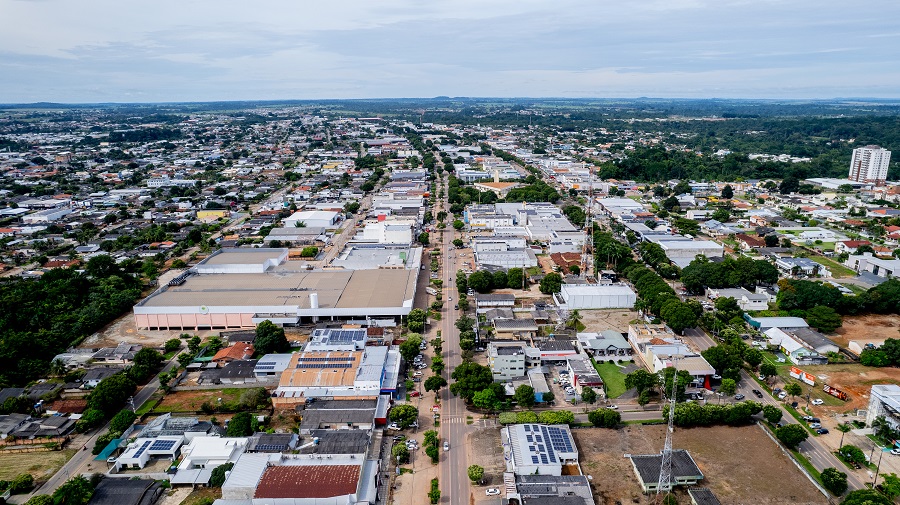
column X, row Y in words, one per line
column 870, row 165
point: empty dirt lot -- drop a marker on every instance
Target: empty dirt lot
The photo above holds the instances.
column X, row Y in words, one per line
column 741, row 465
column 869, row 328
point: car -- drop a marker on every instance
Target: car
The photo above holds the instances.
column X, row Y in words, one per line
column 415, row 394
column 818, row 401
column 399, row 437
column 761, row 377
column 816, row 420
column 822, row 431
column 417, row 374
column 780, row 360
column 415, row 424
column 807, row 418
column 446, row 445
column 895, row 452
column 776, row 390
column 449, row 298
column 738, row 396
column 456, row 306
column 815, row 426
column 716, row 376
column 492, row 491
column 782, row 395
column 394, row 426
column 758, row 393
column 417, row 379
column 614, row 407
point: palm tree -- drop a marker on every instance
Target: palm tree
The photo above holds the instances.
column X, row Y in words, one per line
column 574, row 319
column 843, row 428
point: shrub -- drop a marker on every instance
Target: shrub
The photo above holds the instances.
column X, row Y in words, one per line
column 217, row 477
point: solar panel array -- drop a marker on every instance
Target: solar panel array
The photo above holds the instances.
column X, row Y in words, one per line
column 559, row 439
column 162, row 445
column 270, row 447
column 324, row 365
column 143, row 448
column 266, row 365
column 327, row 358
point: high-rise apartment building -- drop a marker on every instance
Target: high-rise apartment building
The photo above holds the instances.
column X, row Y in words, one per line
column 870, row 165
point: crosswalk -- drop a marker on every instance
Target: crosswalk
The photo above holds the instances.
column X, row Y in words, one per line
column 470, row 421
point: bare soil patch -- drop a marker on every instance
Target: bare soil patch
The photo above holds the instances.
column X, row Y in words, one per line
column 491, row 461
column 868, row 328
column 740, row 465
column 41, row 465
column 190, row 401
column 852, row 378
column 607, row 319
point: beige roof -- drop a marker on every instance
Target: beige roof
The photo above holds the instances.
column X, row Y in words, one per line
column 311, row 369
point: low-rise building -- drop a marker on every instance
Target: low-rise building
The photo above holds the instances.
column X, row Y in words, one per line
column 685, row 471
column 583, row 374
column 608, row 345
column 595, row 296
column 746, row 300
column 884, row 401
column 536, row 449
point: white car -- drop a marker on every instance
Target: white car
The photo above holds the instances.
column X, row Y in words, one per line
column 394, row 426
column 614, row 407
column 818, row 401
column 492, row 491
column 717, row 376
column 446, row 446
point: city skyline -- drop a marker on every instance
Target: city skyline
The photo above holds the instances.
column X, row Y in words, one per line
column 100, row 51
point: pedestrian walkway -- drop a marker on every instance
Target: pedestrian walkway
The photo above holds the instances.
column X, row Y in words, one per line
column 472, row 422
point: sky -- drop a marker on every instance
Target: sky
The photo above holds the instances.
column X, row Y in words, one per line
column 87, row 51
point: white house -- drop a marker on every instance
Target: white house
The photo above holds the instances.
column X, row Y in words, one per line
column 746, row 300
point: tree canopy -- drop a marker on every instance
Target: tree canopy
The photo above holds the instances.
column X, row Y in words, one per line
column 270, row 338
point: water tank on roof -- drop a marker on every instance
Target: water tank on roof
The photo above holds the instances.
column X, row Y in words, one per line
column 314, row 300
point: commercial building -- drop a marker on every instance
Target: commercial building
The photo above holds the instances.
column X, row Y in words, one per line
column 583, row 374
column 801, row 351
column 536, row 449
column 884, row 401
column 313, row 219
column 551, row 490
column 259, row 285
column 365, row 373
column 876, row 266
column 608, row 345
column 595, row 296
column 685, row 471
column 47, row 216
column 509, row 360
column 869, row 164
column 683, row 252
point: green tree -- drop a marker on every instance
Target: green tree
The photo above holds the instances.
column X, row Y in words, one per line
column 826, row 319
column 481, row 281
column 404, row 415
column 866, row 497
column 789, row 185
column 469, row 378
column 588, row 395
column 753, row 357
column 431, row 438
column 728, row 192
column 728, row 387
column 40, row 499
column 515, row 278
column 434, row 454
column 415, row 321
column 486, row 399
column 122, row 421
column 768, row 369
column 772, row 414
column 270, row 338
column 524, row 396
column 194, row 344
column 409, row 349
column 435, row 383
column 217, row 476
column 605, row 418
column 401, row 453
column 458, row 243
column 21, row 484
column 458, row 225
column 890, row 485
column 423, row 238
column 642, row 380
column 109, row 396
column 434, row 495
column 551, row 283
column 476, row 473
column 172, row 345
column 241, row 425
column 90, row 419
column 853, row 454
column 149, row 358
column 843, row 428
column 834, row 481
column 793, row 389
column 791, row 435
column 75, row 491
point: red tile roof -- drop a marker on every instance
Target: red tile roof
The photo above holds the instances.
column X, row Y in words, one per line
column 323, row 481
column 235, row 352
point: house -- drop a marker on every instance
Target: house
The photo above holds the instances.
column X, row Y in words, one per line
column 138, row 453
column 647, row 468
column 749, row 242
column 886, row 269
column 485, row 302
column 556, row 351
column 849, row 246
column 552, row 489
column 801, row 266
column 11, row 422
column 608, row 345
column 239, row 336
column 785, row 323
column 233, row 353
column 746, row 300
column 203, row 454
column 273, row 442
column 233, row 372
column 120, row 354
column 356, row 414
column 94, row 375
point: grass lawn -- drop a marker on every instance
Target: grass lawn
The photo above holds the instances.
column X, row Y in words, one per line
column 41, row 465
column 612, row 377
column 836, row 268
column 857, row 290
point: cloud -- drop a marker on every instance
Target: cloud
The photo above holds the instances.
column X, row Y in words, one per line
column 270, row 49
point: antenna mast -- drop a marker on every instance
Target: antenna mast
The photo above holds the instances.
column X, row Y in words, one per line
column 665, row 468
column 585, row 255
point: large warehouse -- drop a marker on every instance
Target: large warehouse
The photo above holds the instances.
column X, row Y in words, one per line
column 239, row 288
column 595, row 296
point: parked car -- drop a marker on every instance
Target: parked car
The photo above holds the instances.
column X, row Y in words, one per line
column 815, row 425
column 782, row 395
column 895, row 452
column 399, row 437
column 417, row 374
column 822, row 431
column 446, row 445
column 807, row 418
column 415, row 394
column 716, row 376
column 492, row 491
column 394, row 426
column 818, row 401
column 612, row 407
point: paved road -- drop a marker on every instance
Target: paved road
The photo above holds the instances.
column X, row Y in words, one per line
column 815, row 451
column 454, row 479
column 79, row 462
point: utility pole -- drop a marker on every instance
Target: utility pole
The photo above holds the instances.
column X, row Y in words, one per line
column 665, row 483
